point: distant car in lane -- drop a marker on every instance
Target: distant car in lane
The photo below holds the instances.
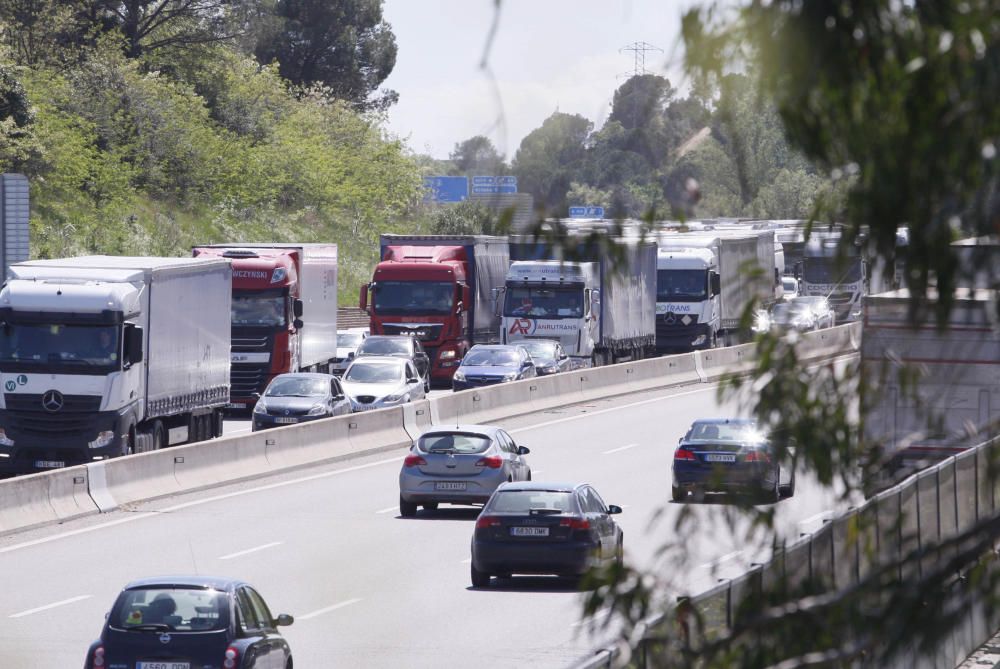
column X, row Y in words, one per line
column 459, row 465
column 489, row 364
column 399, row 346
column 375, row 382
column 548, row 356
column 299, row 397
column 728, row 455
column 803, row 314
column 544, row 528
column 823, row 314
column 790, row 287
column 347, row 347
column 190, row 622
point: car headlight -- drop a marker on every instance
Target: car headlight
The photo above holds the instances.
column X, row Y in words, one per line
column 103, row 439
column 447, row 355
column 459, row 375
column 510, row 377
column 260, row 407
column 317, row 410
column 395, row 397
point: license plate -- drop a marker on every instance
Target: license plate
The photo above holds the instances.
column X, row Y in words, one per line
column 286, row 419
column 236, row 405
column 365, row 407
column 162, row 665
column 718, row 457
column 449, row 485
column 49, row 464
column 529, row 531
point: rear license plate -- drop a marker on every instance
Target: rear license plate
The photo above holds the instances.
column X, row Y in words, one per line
column 236, row 405
column 284, row 419
column 365, row 407
column 529, row 531
column 449, row 485
column 162, row 665
column 49, row 464
column 718, row 457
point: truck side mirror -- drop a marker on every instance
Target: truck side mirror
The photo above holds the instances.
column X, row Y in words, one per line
column 363, row 299
column 297, row 309
column 716, row 283
column 132, row 352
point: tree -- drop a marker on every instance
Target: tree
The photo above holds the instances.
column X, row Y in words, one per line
column 465, row 218
column 477, row 155
column 550, row 156
column 148, row 25
column 343, row 45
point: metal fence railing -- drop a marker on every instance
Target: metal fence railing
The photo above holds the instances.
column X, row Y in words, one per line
column 931, row 506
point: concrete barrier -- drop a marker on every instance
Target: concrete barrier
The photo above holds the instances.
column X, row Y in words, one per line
column 374, row 431
column 41, row 499
column 140, row 477
column 416, row 418
column 306, row 444
column 203, row 465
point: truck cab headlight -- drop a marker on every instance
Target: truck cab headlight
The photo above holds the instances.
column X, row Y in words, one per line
column 103, row 439
column 447, row 355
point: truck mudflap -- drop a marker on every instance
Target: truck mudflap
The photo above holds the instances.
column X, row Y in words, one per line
column 36, row 441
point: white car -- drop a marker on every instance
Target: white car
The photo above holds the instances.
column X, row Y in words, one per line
column 790, row 287
column 376, row 382
column 347, row 346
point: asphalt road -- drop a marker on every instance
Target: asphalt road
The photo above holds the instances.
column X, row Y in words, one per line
column 369, row 588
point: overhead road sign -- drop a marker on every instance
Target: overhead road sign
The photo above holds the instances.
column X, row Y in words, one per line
column 446, row 189
column 486, row 185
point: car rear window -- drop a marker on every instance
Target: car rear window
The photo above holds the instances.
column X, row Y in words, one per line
column 456, row 442
column 725, row 432
column 523, row 501
column 179, row 609
column 380, row 372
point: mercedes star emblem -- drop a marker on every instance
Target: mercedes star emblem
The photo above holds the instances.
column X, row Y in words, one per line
column 164, row 638
column 52, row 401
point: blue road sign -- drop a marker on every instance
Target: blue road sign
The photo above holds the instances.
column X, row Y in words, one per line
column 486, row 185
column 586, row 212
column 446, row 189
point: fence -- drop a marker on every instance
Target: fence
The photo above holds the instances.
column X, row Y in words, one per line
column 932, row 506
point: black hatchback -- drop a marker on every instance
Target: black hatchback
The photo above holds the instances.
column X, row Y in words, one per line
column 190, row 622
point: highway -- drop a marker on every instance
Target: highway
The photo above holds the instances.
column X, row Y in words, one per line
column 368, row 588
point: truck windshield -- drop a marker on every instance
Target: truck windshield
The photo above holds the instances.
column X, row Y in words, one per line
column 414, row 297
column 52, row 346
column 544, row 302
column 829, row 270
column 262, row 308
column 681, row 285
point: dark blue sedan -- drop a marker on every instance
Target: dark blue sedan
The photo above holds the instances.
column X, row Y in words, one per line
column 190, row 622
column 489, row 364
column 728, row 455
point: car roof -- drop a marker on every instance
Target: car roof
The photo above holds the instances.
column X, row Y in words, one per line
column 482, row 429
column 723, row 421
column 304, row 375
column 186, row 581
column 541, row 485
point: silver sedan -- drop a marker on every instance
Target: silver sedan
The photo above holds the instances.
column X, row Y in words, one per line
column 376, row 382
column 459, row 465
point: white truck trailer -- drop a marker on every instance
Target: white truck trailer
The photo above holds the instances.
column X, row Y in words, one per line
column 104, row 356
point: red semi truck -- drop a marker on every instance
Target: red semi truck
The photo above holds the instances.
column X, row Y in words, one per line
column 284, row 312
column 439, row 288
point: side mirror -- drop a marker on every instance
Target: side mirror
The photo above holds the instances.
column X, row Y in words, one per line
column 363, row 299
column 716, row 281
column 523, row 450
column 563, row 356
column 284, row 620
column 297, row 307
column 412, row 381
column 466, row 295
column 297, row 324
column 613, row 510
column 132, row 353
column 256, row 396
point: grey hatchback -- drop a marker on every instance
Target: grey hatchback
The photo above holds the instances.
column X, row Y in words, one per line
column 459, row 465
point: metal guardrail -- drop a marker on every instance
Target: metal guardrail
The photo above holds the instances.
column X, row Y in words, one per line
column 931, row 506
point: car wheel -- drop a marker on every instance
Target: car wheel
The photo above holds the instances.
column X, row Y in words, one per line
column 620, row 553
column 407, row 509
column 480, row 579
column 678, row 494
column 788, row 490
column 431, row 506
column 773, row 494
column 529, row 476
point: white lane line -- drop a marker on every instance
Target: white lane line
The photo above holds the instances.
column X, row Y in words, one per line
column 620, row 449
column 251, row 550
column 718, row 561
column 388, row 509
column 328, row 609
column 50, row 606
column 602, row 613
column 663, row 398
column 132, row 517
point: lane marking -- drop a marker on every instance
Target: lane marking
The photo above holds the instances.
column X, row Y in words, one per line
column 600, row 613
column 251, row 550
column 718, row 561
column 177, row 507
column 328, row 609
column 389, row 509
column 620, row 449
column 53, row 605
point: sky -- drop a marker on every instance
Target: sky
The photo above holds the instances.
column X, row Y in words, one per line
column 547, row 56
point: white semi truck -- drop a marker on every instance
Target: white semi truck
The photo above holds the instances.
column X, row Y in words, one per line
column 104, row 356
column 705, row 282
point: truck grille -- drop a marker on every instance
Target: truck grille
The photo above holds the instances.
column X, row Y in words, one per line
column 245, row 380
column 75, row 417
column 429, row 332
column 71, row 403
column 251, row 344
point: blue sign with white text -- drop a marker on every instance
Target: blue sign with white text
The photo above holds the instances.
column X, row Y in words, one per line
column 486, row 185
column 586, row 212
column 446, row 189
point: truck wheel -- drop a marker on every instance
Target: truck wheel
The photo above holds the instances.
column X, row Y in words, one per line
column 159, row 436
column 217, row 422
column 128, row 448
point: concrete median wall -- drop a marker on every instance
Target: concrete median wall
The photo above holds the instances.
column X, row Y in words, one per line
column 41, row 499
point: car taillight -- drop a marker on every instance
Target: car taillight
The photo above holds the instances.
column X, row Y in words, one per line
column 684, row 454
column 414, row 461
column 483, row 522
column 492, row 461
column 756, row 456
column 98, row 658
column 232, row 658
column 575, row 523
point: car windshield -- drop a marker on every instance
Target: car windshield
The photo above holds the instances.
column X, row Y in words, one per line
column 348, row 339
column 734, row 431
column 386, row 346
column 381, row 372
column 524, row 501
column 491, row 358
column 453, row 442
column 540, row 350
column 782, row 313
column 56, row 346
column 297, row 387
column 789, row 285
column 544, row 302
column 681, row 285
column 170, row 609
column 260, row 309
column 413, row 297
